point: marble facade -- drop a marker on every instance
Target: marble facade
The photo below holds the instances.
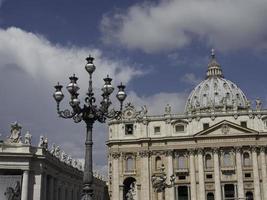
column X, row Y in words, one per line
column 215, row 150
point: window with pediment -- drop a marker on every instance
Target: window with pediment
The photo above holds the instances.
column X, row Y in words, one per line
column 246, row 159
column 180, row 127
column 158, row 163
column 130, row 165
column 182, row 162
column 228, row 160
column 208, row 161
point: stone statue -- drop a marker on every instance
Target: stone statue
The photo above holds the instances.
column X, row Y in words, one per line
column 57, row 152
column 28, row 138
column 258, row 104
column 13, row 193
column 168, row 109
column 69, row 160
column 63, row 156
column 249, row 104
column 131, row 192
column 74, row 163
column 45, row 144
column 15, row 133
column 53, row 149
column 41, row 142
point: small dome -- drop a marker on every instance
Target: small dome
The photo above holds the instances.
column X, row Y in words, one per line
column 216, row 92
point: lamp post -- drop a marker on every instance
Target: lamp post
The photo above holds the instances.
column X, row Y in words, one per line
column 159, row 182
column 89, row 113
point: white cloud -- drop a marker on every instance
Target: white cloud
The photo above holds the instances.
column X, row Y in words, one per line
column 38, row 57
column 171, row 24
column 190, row 78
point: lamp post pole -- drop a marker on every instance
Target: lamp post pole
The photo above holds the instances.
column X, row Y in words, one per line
column 89, row 113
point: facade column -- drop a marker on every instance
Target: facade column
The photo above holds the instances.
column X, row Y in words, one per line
column 256, row 179
column 56, row 189
column 115, row 178
column 51, row 188
column 193, row 184
column 217, row 172
column 263, row 172
column 240, row 184
column 145, row 175
column 121, row 192
column 25, row 185
column 44, row 185
column 201, row 181
column 169, row 192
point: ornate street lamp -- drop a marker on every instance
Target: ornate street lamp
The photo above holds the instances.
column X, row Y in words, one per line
column 159, row 181
column 89, row 113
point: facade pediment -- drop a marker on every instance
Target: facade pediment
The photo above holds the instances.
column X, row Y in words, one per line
column 226, row 128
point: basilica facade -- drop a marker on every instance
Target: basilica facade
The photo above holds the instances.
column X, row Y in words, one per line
column 215, row 149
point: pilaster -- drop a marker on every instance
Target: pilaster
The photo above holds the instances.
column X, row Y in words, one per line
column 257, row 194
column 217, row 177
column 192, row 174
column 240, row 184
column 201, row 180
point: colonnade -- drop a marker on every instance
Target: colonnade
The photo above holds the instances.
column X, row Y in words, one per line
column 47, row 187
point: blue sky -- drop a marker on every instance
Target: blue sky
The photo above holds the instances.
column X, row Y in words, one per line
column 160, row 49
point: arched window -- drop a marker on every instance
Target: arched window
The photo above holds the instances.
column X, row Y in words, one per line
column 130, row 164
column 246, row 159
column 208, row 161
column 158, row 163
column 210, row 196
column 181, row 162
column 227, row 159
column 249, row 195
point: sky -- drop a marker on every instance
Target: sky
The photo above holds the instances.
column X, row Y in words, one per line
column 159, row 48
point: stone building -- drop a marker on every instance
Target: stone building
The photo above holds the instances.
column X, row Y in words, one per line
column 216, row 149
column 37, row 173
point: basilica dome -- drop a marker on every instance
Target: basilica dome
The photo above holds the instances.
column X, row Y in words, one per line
column 216, row 93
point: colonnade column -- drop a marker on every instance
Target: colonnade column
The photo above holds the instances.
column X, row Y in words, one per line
column 51, row 188
column 240, row 184
column 25, row 185
column 256, row 179
column 217, row 177
column 169, row 192
column 193, row 184
column 145, row 175
column 263, row 172
column 201, row 181
column 115, row 178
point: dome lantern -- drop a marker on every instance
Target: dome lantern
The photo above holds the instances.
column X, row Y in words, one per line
column 214, row 68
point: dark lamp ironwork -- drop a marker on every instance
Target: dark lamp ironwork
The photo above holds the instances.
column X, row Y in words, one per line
column 107, row 88
column 121, row 95
column 73, row 86
column 90, row 67
column 58, row 95
column 89, row 113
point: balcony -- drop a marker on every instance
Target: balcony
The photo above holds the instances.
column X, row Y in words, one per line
column 181, row 171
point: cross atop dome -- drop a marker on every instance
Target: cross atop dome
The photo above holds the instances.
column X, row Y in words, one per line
column 214, row 68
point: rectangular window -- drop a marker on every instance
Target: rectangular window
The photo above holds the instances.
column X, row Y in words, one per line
column 243, row 124
column 209, row 176
column 179, row 128
column 182, row 177
column 247, row 175
column 206, row 126
column 157, row 130
column 128, row 129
